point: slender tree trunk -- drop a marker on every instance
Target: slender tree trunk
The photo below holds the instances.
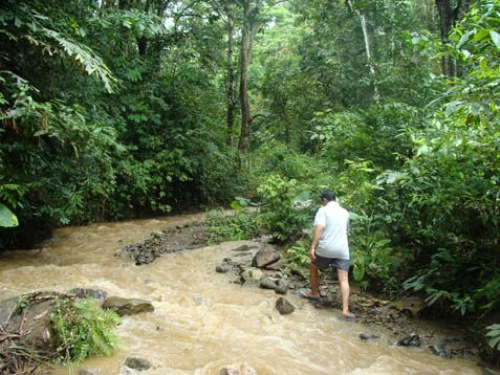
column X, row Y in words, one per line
column 445, row 24
column 231, row 98
column 366, row 36
column 245, row 105
column 448, row 17
column 248, row 32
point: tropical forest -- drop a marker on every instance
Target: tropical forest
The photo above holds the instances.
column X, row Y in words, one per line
column 113, row 110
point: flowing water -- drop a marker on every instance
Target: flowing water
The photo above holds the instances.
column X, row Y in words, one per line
column 202, row 321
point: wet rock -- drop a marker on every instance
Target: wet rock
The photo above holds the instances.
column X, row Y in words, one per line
column 93, row 371
column 7, row 308
column 97, row 294
column 265, row 256
column 223, row 268
column 282, row 287
column 407, row 312
column 28, row 318
column 284, row 306
column 244, row 255
column 276, row 266
column 268, row 283
column 127, row 306
column 243, row 247
column 276, row 284
column 137, row 363
column 252, row 275
column 298, row 274
column 237, row 369
column 440, row 350
column 128, row 371
column 411, row 339
column 367, row 336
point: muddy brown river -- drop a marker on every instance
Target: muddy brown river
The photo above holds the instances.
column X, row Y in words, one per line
column 202, row 322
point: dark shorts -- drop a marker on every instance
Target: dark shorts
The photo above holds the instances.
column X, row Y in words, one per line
column 339, row 264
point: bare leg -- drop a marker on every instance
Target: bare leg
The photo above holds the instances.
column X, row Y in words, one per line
column 314, row 279
column 343, row 277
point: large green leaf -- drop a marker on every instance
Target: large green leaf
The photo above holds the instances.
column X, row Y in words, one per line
column 7, row 218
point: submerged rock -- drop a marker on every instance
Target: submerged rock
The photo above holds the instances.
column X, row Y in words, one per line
column 440, row 350
column 237, row 369
column 127, row 306
column 137, row 363
column 410, row 340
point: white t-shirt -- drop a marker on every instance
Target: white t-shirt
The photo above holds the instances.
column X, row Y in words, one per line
column 334, row 219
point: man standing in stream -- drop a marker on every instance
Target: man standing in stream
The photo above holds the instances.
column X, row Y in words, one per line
column 330, row 248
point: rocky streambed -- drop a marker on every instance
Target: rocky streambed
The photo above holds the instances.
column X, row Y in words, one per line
column 263, row 267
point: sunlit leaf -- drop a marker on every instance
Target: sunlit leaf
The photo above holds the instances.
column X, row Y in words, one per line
column 7, row 218
column 495, row 37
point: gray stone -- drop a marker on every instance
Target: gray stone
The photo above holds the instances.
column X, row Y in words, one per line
column 93, row 371
column 127, row 306
column 242, row 248
column 276, row 266
column 268, row 283
column 137, row 363
column 97, row 294
column 252, row 274
column 7, row 309
column 31, row 315
column 265, row 256
column 282, row 287
column 284, row 306
column 128, row 371
column 223, row 268
column 237, row 369
column 410, row 340
column 367, row 336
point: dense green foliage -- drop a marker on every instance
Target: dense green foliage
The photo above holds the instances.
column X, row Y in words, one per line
column 112, row 110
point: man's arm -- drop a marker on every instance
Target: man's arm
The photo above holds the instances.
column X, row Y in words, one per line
column 318, row 232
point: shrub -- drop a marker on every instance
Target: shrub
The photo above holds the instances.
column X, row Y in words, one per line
column 233, row 227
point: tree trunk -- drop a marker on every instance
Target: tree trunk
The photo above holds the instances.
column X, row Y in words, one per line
column 448, row 17
column 231, row 99
column 366, row 37
column 248, row 33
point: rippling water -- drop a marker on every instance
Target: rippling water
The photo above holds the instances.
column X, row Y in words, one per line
column 202, row 321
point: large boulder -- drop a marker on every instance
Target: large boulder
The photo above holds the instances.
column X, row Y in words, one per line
column 265, row 257
column 27, row 319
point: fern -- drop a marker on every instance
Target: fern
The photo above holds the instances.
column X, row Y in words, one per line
column 298, row 253
column 84, row 330
column 53, row 42
column 494, row 334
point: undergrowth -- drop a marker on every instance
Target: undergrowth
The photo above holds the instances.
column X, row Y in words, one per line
column 83, row 330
